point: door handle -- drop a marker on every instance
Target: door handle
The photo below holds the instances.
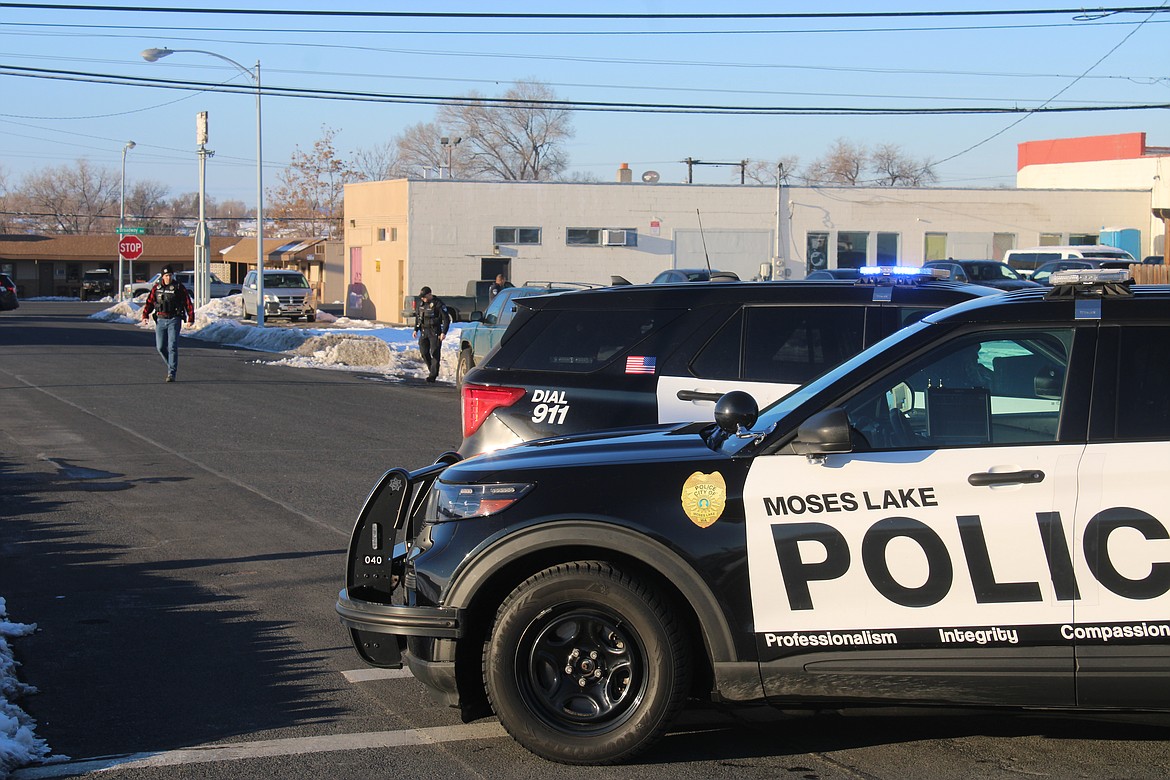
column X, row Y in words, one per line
column 987, row 478
column 698, row 395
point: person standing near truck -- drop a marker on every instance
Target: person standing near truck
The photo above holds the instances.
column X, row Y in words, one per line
column 170, row 304
column 431, row 321
column 500, row 283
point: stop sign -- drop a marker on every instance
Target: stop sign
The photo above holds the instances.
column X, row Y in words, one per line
column 130, row 247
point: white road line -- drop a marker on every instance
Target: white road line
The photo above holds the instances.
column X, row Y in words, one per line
column 277, row 747
column 365, row 675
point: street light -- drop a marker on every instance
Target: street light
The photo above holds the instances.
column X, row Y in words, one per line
column 122, row 225
column 448, row 144
column 154, row 55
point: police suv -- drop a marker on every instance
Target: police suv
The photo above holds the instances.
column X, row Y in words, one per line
column 975, row 511
column 634, row 355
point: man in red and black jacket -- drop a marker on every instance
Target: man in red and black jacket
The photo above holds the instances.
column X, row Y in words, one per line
column 170, row 304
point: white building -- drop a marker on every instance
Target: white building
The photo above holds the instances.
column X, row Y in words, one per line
column 403, row 234
column 1122, row 161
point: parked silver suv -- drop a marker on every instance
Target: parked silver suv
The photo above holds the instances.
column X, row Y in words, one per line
column 286, row 294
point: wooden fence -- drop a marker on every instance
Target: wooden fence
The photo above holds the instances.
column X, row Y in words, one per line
column 1150, row 274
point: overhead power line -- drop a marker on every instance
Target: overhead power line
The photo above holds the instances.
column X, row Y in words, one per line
column 1083, row 13
column 568, row 105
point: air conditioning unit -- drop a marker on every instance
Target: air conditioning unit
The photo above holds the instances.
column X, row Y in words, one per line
column 613, row 237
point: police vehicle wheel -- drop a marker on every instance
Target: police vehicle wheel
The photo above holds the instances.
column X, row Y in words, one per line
column 247, row 316
column 586, row 664
column 463, row 366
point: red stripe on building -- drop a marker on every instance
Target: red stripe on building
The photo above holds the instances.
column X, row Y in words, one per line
column 1124, row 146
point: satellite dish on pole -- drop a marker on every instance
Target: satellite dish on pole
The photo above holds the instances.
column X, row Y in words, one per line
column 650, row 177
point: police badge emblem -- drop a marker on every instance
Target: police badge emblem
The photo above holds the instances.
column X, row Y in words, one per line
column 703, row 498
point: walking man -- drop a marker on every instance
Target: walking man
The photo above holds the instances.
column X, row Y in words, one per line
column 169, row 304
column 431, row 320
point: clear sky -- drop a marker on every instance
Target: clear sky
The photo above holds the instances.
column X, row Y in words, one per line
column 904, row 62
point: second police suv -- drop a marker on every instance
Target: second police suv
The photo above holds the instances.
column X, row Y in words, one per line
column 975, row 511
column 639, row 354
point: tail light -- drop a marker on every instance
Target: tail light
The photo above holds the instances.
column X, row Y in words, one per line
column 480, row 401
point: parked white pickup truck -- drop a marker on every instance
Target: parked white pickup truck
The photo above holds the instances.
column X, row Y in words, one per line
column 219, row 288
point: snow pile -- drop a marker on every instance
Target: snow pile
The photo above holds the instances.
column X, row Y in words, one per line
column 344, row 345
column 19, row 745
column 346, row 350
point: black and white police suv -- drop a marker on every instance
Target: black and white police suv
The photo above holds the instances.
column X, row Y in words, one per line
column 634, row 355
column 975, row 511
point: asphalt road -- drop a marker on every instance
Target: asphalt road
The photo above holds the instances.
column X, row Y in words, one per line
column 179, row 547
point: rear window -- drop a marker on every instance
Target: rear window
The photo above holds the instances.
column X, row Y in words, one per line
column 580, row 341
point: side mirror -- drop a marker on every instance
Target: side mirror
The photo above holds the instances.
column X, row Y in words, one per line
column 736, row 410
column 476, row 316
column 825, row 433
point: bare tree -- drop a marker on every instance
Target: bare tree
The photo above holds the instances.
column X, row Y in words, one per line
column 419, row 152
column 308, row 199
column 844, row 163
column 378, row 163
column 893, row 168
column 764, row 171
column 522, row 138
column 75, row 199
column 146, row 203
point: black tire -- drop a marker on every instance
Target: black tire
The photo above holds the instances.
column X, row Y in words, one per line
column 310, row 318
column 628, row 660
column 247, row 316
column 465, row 364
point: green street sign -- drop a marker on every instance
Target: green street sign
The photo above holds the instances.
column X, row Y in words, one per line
column 136, row 231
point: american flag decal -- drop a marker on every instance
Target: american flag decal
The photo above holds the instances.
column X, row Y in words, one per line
column 639, row 364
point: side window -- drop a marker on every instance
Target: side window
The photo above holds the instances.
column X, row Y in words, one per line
column 579, row 341
column 720, row 358
column 792, row 344
column 1143, row 382
column 995, row 389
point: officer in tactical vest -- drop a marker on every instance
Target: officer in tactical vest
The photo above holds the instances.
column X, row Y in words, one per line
column 169, row 304
column 431, row 320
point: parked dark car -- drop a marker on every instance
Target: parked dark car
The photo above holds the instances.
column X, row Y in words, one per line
column 989, row 273
column 8, row 299
column 97, row 284
column 651, row 353
column 674, row 275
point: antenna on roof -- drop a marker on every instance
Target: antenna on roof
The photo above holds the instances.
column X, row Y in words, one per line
column 703, row 236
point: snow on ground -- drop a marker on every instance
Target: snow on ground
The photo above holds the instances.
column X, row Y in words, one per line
column 19, row 745
column 220, row 322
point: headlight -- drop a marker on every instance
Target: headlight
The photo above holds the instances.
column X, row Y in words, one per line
column 456, row 502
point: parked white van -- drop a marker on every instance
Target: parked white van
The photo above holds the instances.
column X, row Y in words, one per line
column 1028, row 260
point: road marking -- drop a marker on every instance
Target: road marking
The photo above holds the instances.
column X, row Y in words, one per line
column 365, row 675
column 238, row 751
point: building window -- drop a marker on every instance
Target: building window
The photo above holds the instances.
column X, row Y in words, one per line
column 393, row 234
column 1082, row 239
column 816, row 251
column 852, row 249
column 1051, row 239
column 516, row 235
column 381, row 234
column 601, row 236
column 936, row 247
column 887, row 248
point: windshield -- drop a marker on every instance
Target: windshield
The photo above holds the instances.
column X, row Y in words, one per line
column 96, row 274
column 285, row 280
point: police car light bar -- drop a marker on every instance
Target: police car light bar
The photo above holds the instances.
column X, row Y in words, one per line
column 901, row 274
column 1085, row 277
